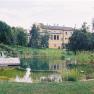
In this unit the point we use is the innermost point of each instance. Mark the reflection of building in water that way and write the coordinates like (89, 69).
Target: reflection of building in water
(58, 35)
(57, 65)
(60, 65)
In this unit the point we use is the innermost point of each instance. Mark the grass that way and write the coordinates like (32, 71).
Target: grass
(47, 88)
(51, 56)
(85, 57)
(81, 57)
(27, 51)
(11, 73)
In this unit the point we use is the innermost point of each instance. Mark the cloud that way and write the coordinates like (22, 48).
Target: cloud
(25, 12)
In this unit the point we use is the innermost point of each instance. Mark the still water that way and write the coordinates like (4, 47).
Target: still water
(40, 63)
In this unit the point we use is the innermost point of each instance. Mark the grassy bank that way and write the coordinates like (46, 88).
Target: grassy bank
(28, 52)
(11, 73)
(81, 57)
(47, 88)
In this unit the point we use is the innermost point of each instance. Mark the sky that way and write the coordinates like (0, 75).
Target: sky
(62, 12)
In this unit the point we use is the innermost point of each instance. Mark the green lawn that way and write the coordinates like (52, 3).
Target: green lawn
(47, 88)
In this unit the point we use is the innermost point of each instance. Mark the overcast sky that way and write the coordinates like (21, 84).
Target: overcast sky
(63, 12)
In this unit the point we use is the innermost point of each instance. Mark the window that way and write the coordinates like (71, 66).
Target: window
(57, 37)
(54, 37)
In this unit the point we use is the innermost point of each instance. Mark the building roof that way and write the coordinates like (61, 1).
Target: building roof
(50, 27)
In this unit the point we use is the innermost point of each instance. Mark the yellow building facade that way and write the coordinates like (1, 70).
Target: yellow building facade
(58, 35)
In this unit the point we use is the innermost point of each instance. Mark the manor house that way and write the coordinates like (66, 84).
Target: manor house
(58, 35)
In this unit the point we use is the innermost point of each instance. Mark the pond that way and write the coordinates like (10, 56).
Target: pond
(40, 63)
(55, 64)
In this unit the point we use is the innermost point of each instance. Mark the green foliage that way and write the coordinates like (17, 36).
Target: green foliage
(85, 57)
(71, 75)
(44, 40)
(51, 53)
(9, 50)
(35, 37)
(78, 41)
(19, 36)
(14, 35)
(5, 33)
(38, 40)
(63, 57)
(81, 40)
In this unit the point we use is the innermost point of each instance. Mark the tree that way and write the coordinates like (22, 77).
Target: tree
(44, 40)
(38, 40)
(91, 41)
(19, 36)
(78, 41)
(81, 39)
(84, 27)
(14, 35)
(35, 41)
(5, 33)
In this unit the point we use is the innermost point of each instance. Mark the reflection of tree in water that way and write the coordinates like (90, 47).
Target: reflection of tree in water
(36, 63)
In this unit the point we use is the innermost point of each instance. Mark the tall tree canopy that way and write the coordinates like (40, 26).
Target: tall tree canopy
(38, 40)
(44, 40)
(19, 36)
(78, 41)
(81, 40)
(35, 37)
(5, 33)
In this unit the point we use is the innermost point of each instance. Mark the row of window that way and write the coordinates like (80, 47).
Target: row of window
(54, 37)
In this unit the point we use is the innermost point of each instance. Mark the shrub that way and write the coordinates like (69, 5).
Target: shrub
(63, 57)
(71, 75)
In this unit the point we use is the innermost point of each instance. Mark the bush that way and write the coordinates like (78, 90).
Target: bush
(71, 75)
(63, 57)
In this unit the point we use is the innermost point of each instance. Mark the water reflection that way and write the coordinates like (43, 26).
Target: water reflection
(39, 63)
